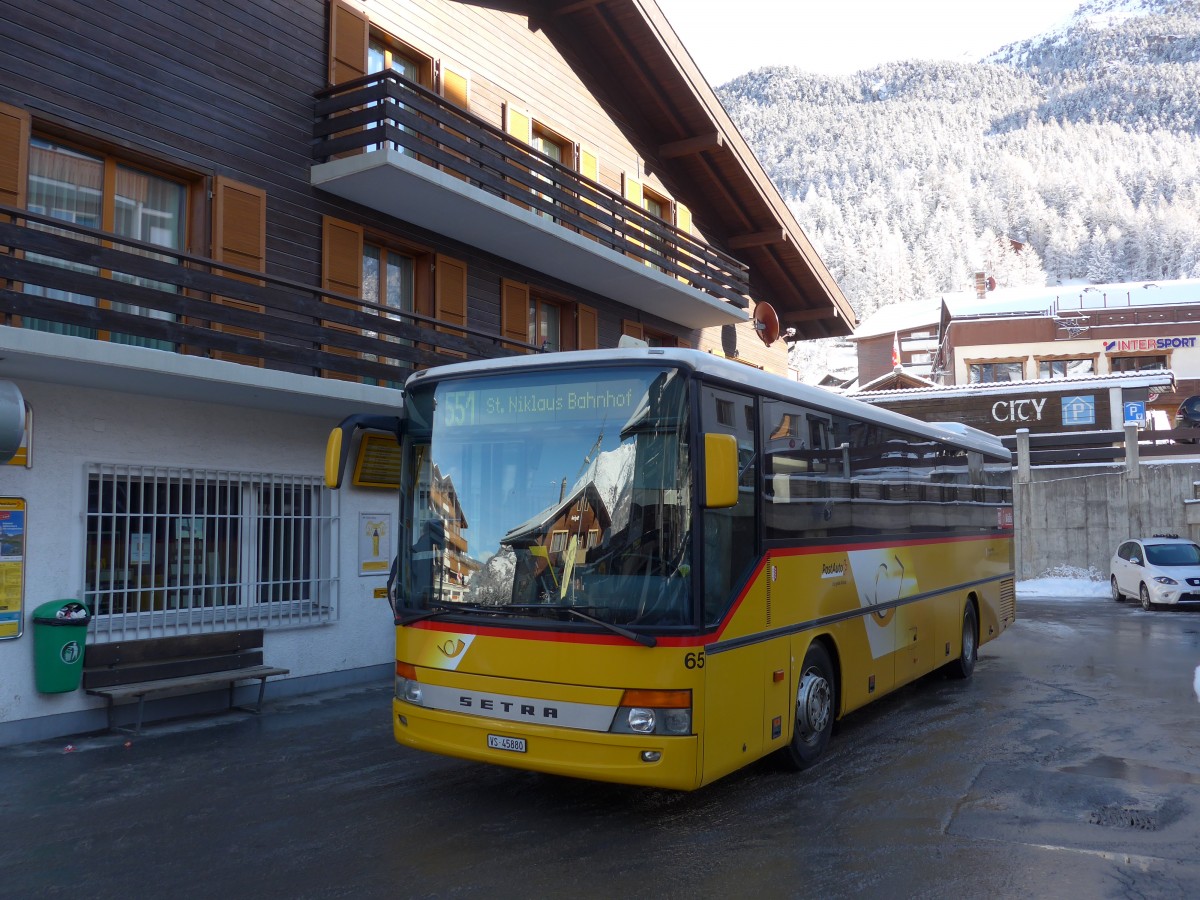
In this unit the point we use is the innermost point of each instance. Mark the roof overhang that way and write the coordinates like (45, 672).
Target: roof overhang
(632, 61)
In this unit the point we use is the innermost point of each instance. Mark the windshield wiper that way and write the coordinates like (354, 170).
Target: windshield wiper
(440, 611)
(645, 640)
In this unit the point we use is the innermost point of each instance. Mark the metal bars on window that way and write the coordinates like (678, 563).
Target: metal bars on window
(177, 551)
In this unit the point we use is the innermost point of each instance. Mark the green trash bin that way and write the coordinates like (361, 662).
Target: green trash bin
(59, 636)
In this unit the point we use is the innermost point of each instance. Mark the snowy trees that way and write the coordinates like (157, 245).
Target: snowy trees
(904, 176)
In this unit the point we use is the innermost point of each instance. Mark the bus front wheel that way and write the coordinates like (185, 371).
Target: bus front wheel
(969, 648)
(815, 705)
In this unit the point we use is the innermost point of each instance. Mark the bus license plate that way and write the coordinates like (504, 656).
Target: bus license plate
(513, 745)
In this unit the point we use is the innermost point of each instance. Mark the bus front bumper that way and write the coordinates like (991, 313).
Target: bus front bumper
(619, 758)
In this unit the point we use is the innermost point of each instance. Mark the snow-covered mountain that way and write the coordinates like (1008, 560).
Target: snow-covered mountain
(1081, 145)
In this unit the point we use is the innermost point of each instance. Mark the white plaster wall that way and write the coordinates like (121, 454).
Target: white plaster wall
(76, 426)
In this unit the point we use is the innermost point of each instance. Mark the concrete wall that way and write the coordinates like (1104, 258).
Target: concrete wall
(1077, 515)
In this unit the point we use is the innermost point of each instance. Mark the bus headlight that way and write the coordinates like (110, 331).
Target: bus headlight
(677, 721)
(641, 720)
(408, 688)
(654, 712)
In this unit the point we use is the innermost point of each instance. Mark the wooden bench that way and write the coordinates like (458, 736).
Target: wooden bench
(170, 666)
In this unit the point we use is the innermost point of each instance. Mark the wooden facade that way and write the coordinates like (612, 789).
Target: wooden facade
(239, 103)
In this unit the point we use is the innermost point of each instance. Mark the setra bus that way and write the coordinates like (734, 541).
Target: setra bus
(653, 566)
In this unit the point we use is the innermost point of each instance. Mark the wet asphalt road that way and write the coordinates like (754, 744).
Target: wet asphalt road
(1068, 767)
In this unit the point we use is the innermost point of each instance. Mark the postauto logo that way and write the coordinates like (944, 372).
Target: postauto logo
(1136, 344)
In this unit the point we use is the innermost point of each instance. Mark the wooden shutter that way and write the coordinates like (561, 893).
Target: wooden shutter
(514, 311)
(683, 218)
(239, 219)
(348, 35)
(450, 294)
(683, 221)
(589, 165)
(14, 155)
(633, 329)
(587, 328)
(631, 189)
(454, 88)
(341, 273)
(518, 125)
(14, 164)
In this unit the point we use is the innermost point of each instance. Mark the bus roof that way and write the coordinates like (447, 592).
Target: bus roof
(734, 373)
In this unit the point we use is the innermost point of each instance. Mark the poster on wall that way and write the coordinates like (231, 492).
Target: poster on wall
(374, 543)
(12, 566)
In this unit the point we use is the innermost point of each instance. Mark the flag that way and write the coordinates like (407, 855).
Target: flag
(896, 350)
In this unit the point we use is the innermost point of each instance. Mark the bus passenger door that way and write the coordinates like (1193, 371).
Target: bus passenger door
(734, 590)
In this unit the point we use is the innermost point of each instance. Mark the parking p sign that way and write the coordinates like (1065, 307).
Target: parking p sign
(1135, 412)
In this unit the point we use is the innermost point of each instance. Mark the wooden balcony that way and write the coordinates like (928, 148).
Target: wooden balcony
(391, 145)
(66, 279)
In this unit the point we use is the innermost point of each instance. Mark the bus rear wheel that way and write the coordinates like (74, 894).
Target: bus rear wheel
(816, 695)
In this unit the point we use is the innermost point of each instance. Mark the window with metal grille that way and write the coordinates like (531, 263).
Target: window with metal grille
(190, 550)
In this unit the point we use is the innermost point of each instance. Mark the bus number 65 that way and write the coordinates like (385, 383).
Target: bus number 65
(694, 660)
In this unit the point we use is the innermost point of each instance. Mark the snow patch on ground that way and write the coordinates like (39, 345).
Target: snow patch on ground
(1066, 583)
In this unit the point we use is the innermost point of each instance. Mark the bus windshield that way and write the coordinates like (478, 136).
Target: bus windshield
(552, 492)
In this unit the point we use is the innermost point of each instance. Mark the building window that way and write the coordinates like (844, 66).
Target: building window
(102, 192)
(1012, 370)
(545, 324)
(389, 279)
(198, 550)
(659, 207)
(659, 338)
(1065, 368)
(557, 148)
(1136, 363)
(386, 56)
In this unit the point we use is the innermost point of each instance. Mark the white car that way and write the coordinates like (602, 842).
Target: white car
(1160, 570)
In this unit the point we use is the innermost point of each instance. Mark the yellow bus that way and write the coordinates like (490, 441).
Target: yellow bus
(654, 566)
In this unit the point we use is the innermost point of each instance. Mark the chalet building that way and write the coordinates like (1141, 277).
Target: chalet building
(225, 226)
(904, 334)
(1125, 342)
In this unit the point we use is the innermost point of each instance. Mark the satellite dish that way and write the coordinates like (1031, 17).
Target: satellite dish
(766, 323)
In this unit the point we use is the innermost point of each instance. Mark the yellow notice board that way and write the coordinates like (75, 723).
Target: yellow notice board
(378, 463)
(12, 566)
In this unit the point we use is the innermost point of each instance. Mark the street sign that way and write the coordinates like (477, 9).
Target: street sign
(1135, 412)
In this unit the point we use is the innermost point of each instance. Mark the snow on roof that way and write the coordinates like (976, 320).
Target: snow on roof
(1160, 378)
(886, 376)
(1064, 299)
(899, 317)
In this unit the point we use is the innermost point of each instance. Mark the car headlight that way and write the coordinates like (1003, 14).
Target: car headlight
(1163, 579)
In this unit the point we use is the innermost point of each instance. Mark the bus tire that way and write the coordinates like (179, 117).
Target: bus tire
(816, 705)
(968, 653)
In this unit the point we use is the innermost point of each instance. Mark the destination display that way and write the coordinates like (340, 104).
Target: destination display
(512, 403)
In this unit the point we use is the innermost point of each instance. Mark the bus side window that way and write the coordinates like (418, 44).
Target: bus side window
(730, 538)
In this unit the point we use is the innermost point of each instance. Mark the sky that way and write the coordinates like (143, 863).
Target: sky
(850, 35)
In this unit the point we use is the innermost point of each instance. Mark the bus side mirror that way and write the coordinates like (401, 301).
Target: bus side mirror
(337, 447)
(720, 471)
(334, 459)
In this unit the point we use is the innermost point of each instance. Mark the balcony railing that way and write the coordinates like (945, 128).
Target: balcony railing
(68, 279)
(387, 111)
